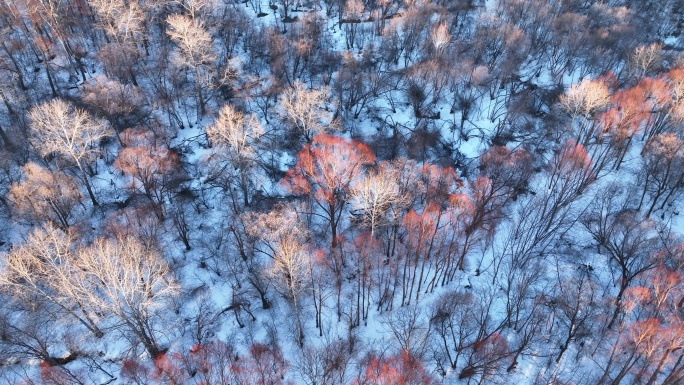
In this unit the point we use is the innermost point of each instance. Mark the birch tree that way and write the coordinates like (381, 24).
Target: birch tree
(301, 107)
(282, 237)
(237, 135)
(129, 281)
(115, 284)
(42, 268)
(120, 20)
(194, 51)
(375, 193)
(58, 128)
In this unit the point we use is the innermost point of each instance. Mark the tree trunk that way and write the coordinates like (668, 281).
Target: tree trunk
(49, 76)
(5, 139)
(88, 187)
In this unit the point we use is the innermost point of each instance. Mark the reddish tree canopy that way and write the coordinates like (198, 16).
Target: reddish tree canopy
(400, 369)
(325, 169)
(327, 165)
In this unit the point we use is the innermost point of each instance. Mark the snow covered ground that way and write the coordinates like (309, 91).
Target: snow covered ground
(536, 290)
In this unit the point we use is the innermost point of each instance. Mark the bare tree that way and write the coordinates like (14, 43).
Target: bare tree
(28, 332)
(194, 51)
(130, 282)
(286, 5)
(198, 8)
(374, 194)
(676, 82)
(328, 364)
(52, 16)
(46, 196)
(121, 62)
(111, 283)
(325, 170)
(504, 175)
(155, 170)
(291, 270)
(440, 38)
(43, 268)
(237, 135)
(353, 11)
(585, 97)
(453, 327)
(283, 237)
(625, 237)
(123, 105)
(120, 20)
(645, 59)
(408, 327)
(59, 128)
(647, 347)
(301, 107)
(400, 368)
(575, 306)
(662, 171)
(583, 101)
